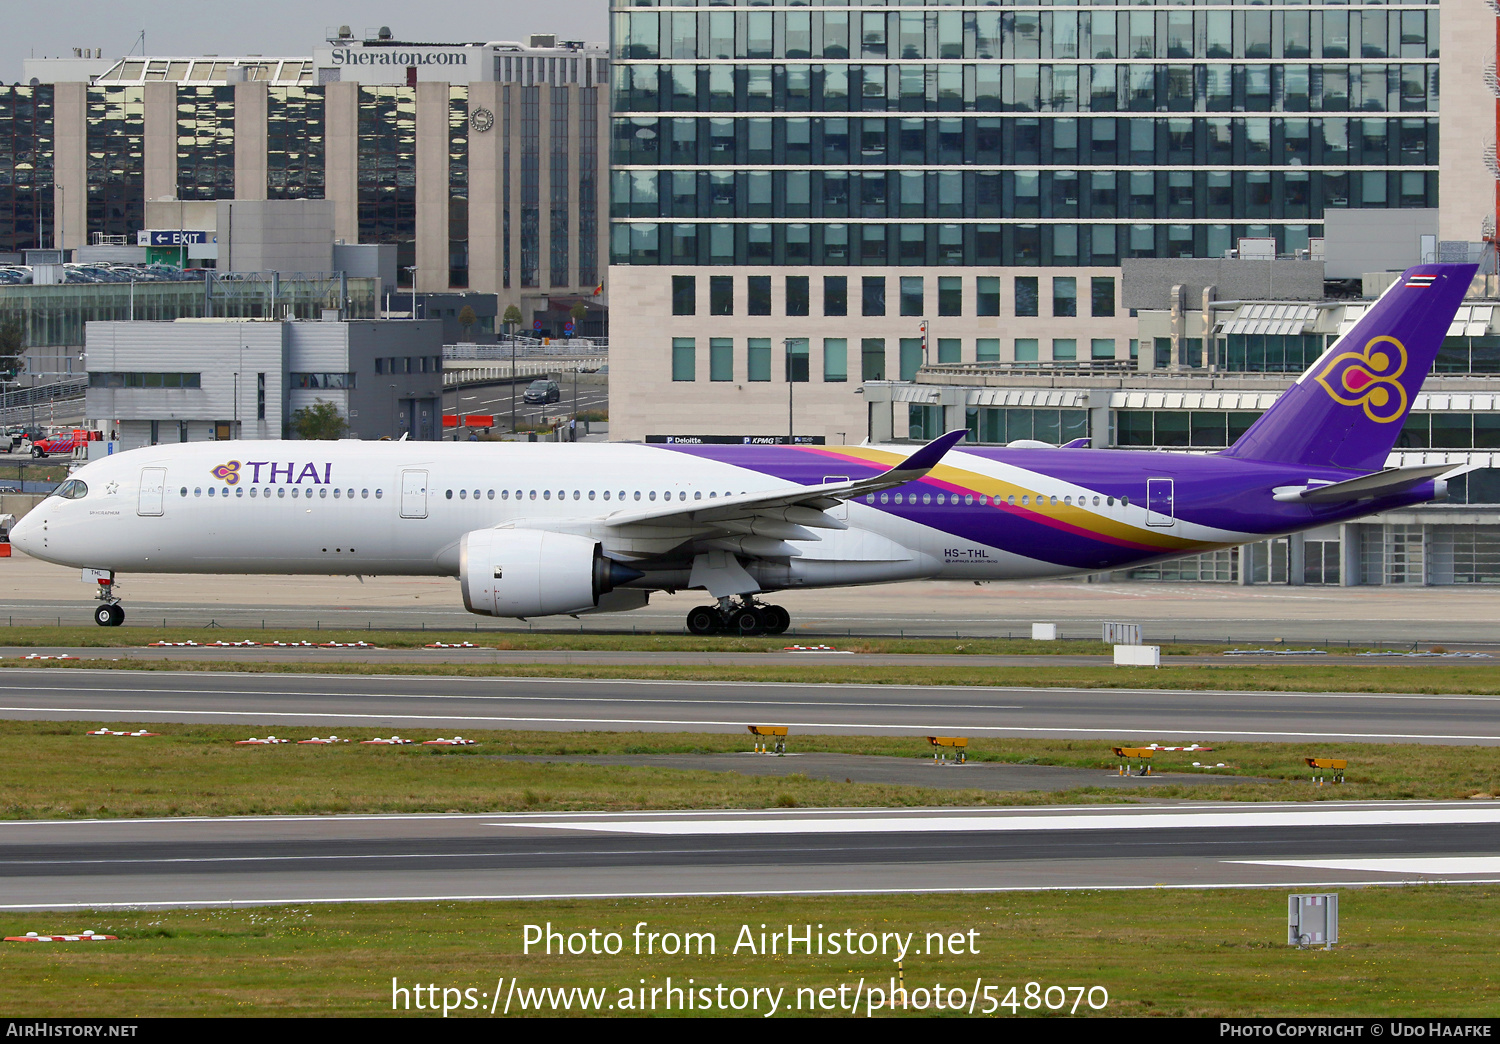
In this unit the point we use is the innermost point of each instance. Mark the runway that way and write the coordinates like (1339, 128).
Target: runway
(186, 862)
(405, 702)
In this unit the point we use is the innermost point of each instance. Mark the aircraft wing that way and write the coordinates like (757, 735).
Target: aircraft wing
(767, 519)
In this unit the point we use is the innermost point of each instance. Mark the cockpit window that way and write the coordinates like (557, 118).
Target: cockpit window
(73, 489)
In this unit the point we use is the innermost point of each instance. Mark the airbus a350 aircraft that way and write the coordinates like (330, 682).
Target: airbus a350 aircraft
(537, 529)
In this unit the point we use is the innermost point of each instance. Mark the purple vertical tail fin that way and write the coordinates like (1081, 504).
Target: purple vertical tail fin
(1348, 408)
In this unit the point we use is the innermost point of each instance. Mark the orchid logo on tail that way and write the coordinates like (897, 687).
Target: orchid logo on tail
(1369, 378)
(230, 472)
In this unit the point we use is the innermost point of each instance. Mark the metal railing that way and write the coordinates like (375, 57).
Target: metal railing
(528, 346)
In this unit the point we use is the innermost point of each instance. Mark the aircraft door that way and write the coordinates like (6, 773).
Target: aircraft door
(153, 491)
(1159, 502)
(414, 494)
(841, 512)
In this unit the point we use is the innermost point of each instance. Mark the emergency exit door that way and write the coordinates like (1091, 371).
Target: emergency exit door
(153, 491)
(1159, 502)
(414, 494)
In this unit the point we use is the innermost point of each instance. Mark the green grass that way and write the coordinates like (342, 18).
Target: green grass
(29, 636)
(1417, 951)
(1407, 677)
(53, 770)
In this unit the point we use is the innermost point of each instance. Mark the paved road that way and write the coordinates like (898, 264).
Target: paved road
(287, 859)
(33, 592)
(352, 702)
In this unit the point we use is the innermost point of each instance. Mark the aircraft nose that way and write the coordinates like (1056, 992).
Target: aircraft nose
(25, 534)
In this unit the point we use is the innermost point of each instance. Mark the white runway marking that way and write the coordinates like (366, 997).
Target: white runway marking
(1392, 864)
(1009, 822)
(1195, 731)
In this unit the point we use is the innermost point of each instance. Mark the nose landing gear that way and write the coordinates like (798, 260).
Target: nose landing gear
(109, 612)
(746, 618)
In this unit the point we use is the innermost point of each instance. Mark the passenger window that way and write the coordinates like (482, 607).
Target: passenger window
(1110, 501)
(927, 498)
(591, 494)
(336, 493)
(364, 494)
(606, 494)
(1054, 502)
(379, 493)
(281, 492)
(653, 495)
(1124, 501)
(239, 491)
(546, 494)
(492, 494)
(576, 495)
(697, 494)
(198, 491)
(323, 493)
(1067, 500)
(211, 491)
(885, 498)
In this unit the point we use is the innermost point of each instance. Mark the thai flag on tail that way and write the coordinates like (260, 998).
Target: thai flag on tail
(1420, 282)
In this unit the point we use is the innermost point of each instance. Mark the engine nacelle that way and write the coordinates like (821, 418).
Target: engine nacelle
(531, 572)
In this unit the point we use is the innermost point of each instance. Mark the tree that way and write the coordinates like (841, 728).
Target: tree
(466, 319)
(579, 312)
(511, 318)
(12, 348)
(321, 420)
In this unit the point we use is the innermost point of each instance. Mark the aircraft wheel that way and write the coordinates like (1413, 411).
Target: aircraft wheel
(776, 619)
(703, 620)
(109, 615)
(746, 622)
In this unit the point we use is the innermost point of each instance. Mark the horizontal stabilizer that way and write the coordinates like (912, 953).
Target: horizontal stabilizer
(1381, 484)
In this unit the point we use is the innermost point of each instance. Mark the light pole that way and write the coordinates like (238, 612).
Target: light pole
(413, 270)
(393, 412)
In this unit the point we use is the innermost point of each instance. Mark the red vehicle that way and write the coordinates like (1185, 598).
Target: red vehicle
(64, 442)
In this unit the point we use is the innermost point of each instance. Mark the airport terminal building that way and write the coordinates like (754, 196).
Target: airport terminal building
(482, 163)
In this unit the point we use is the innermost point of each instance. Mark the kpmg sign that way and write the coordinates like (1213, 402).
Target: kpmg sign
(172, 238)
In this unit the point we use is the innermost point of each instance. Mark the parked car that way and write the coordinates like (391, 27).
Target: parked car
(543, 391)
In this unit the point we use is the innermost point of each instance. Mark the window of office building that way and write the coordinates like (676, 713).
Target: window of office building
(1027, 296)
(294, 143)
(1102, 348)
(684, 362)
(531, 169)
(721, 295)
(911, 357)
(872, 359)
(758, 295)
(797, 360)
(588, 186)
(911, 295)
(987, 349)
(987, 297)
(387, 172)
(1027, 350)
(116, 160)
(458, 187)
(205, 142)
(949, 350)
(721, 358)
(758, 358)
(26, 157)
(835, 295)
(873, 294)
(1064, 296)
(1064, 349)
(797, 295)
(1102, 296)
(950, 295)
(559, 185)
(835, 360)
(684, 295)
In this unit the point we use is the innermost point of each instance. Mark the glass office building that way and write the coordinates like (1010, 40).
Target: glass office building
(835, 175)
(423, 146)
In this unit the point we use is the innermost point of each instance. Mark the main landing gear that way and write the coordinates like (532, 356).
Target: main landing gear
(743, 618)
(109, 612)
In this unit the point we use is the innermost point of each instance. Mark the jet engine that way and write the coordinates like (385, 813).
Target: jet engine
(531, 572)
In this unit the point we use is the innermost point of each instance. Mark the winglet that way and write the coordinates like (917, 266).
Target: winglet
(926, 458)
